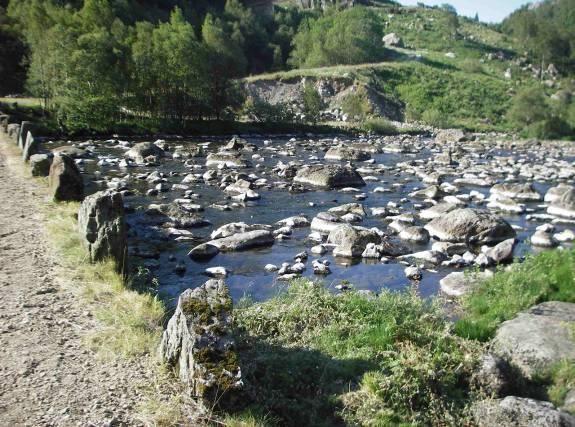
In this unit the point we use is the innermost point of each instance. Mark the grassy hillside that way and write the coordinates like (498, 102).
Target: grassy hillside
(451, 71)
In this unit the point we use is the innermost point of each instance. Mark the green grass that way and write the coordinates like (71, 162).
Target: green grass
(131, 322)
(548, 276)
(311, 358)
(23, 102)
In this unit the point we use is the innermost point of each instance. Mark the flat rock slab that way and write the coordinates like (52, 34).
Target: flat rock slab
(242, 241)
(538, 337)
(520, 412)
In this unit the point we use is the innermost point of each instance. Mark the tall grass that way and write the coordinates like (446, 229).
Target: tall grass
(131, 322)
(548, 276)
(312, 358)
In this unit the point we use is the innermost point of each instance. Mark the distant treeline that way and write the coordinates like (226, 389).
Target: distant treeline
(547, 30)
(97, 62)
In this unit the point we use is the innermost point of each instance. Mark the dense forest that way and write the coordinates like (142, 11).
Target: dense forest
(97, 64)
(547, 31)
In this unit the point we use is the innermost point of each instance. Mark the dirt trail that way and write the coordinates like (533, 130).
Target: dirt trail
(47, 376)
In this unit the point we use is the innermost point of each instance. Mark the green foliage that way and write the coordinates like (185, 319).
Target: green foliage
(548, 276)
(356, 103)
(258, 110)
(561, 379)
(547, 32)
(12, 52)
(312, 103)
(535, 116)
(312, 358)
(352, 36)
(379, 126)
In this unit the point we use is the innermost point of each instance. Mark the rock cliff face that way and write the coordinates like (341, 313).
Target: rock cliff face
(332, 91)
(199, 344)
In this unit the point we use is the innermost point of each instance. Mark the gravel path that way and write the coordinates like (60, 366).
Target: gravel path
(47, 376)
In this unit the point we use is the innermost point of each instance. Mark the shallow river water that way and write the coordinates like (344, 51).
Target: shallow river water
(247, 275)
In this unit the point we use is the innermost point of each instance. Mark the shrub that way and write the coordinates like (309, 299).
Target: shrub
(380, 126)
(472, 66)
(356, 104)
(352, 36)
(528, 107)
(258, 110)
(312, 102)
(435, 118)
(547, 276)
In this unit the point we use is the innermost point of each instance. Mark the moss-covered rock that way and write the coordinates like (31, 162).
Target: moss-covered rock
(199, 344)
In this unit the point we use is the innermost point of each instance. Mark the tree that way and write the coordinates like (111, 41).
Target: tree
(12, 51)
(528, 107)
(312, 102)
(351, 36)
(225, 61)
(476, 18)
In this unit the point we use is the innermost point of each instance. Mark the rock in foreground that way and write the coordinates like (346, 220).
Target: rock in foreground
(472, 226)
(537, 338)
(65, 180)
(329, 176)
(520, 412)
(199, 343)
(102, 228)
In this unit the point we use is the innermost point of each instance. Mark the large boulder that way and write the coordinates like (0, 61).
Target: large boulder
(139, 152)
(392, 40)
(329, 176)
(342, 152)
(522, 192)
(325, 222)
(71, 151)
(243, 241)
(65, 180)
(102, 228)
(237, 227)
(471, 226)
(554, 194)
(40, 164)
(352, 241)
(459, 283)
(519, 412)
(228, 159)
(173, 213)
(564, 206)
(13, 130)
(537, 338)
(198, 342)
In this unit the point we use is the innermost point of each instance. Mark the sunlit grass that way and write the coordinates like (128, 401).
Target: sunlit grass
(548, 276)
(131, 321)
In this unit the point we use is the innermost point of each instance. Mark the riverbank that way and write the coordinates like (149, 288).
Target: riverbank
(77, 346)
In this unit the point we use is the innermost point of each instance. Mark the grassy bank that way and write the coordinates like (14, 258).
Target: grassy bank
(311, 358)
(131, 320)
(548, 276)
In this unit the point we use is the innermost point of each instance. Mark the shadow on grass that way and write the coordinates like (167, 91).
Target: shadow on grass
(296, 386)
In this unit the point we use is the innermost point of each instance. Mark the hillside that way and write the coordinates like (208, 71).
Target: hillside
(444, 70)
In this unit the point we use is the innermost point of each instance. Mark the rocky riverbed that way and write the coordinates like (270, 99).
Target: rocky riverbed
(375, 212)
